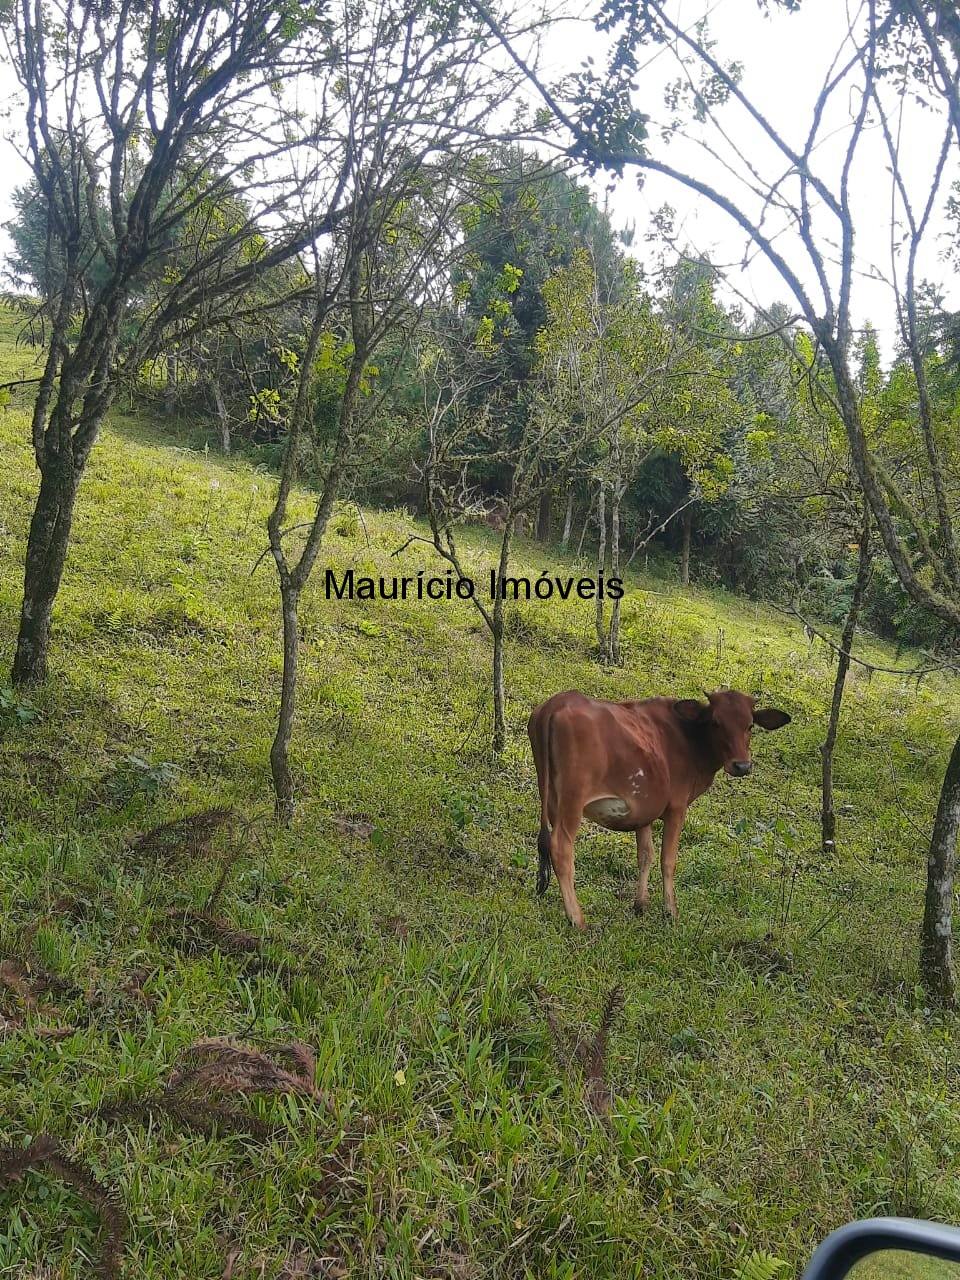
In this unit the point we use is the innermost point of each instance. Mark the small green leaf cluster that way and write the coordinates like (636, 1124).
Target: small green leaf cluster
(466, 807)
(16, 711)
(137, 776)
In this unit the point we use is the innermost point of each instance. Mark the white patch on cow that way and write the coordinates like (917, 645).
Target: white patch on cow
(634, 783)
(608, 809)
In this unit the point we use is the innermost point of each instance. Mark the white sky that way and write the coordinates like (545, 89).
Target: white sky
(785, 58)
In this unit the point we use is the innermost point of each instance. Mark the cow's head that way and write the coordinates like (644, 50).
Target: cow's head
(725, 720)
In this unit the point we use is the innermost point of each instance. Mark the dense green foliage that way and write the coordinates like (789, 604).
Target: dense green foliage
(649, 384)
(774, 1071)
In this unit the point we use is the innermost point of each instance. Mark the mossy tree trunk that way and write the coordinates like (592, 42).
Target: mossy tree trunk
(76, 392)
(936, 934)
(545, 514)
(613, 647)
(567, 522)
(283, 788)
(47, 546)
(828, 819)
(687, 526)
(293, 577)
(602, 649)
(497, 630)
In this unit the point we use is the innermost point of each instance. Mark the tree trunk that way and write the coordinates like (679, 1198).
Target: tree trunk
(499, 692)
(223, 418)
(936, 945)
(544, 515)
(687, 526)
(614, 640)
(567, 523)
(280, 750)
(170, 385)
(583, 531)
(46, 555)
(828, 820)
(601, 562)
(81, 387)
(293, 580)
(497, 631)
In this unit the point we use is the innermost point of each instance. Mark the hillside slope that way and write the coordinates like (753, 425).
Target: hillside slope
(772, 1072)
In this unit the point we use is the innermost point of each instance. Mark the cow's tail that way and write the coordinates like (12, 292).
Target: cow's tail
(543, 848)
(542, 745)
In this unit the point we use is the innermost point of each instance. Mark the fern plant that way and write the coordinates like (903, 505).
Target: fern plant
(762, 1266)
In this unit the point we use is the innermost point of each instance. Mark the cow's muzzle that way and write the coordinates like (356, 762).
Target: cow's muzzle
(740, 768)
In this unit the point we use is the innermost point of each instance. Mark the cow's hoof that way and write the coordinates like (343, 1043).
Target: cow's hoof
(640, 908)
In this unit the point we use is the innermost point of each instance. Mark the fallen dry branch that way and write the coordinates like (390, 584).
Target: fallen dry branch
(566, 1043)
(220, 1066)
(590, 1053)
(210, 1119)
(12, 1024)
(46, 1154)
(599, 1095)
(211, 1072)
(29, 980)
(197, 927)
(182, 838)
(230, 859)
(24, 982)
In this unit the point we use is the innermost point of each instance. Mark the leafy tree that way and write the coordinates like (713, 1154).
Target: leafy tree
(419, 91)
(463, 440)
(154, 106)
(640, 386)
(527, 222)
(38, 261)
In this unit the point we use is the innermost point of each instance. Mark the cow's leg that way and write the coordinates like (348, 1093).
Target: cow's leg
(645, 856)
(561, 855)
(672, 826)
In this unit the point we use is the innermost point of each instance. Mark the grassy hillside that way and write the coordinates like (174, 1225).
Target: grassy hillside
(773, 1071)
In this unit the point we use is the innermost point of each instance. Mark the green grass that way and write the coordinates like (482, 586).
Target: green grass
(775, 1071)
(897, 1264)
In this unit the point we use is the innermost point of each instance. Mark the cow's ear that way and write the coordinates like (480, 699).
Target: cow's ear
(691, 710)
(770, 718)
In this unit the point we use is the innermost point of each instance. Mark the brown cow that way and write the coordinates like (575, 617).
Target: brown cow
(626, 764)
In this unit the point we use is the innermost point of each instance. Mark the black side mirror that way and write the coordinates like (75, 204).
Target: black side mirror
(888, 1249)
